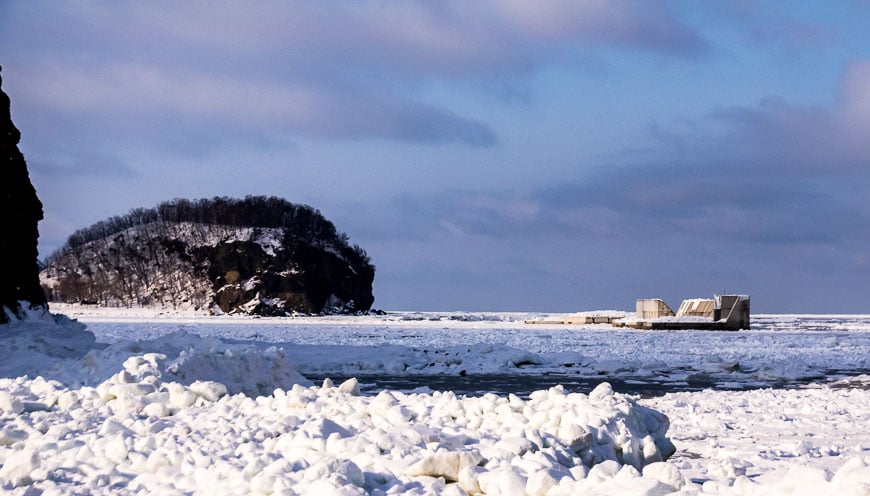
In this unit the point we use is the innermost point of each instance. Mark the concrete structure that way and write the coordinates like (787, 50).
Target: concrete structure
(723, 313)
(720, 313)
(733, 309)
(697, 307)
(591, 319)
(652, 308)
(583, 318)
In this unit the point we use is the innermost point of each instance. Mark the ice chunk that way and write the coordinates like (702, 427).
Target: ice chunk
(209, 390)
(350, 386)
(445, 464)
(665, 473)
(18, 466)
(542, 481)
(503, 481)
(10, 404)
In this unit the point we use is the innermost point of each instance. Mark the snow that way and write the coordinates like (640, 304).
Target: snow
(763, 434)
(200, 235)
(132, 400)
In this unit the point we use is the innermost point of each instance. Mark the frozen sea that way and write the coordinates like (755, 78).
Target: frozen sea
(499, 352)
(134, 401)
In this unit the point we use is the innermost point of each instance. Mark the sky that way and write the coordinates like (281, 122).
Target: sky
(496, 155)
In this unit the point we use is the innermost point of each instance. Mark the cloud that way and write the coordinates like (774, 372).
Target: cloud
(791, 139)
(442, 38)
(775, 181)
(855, 109)
(624, 204)
(72, 162)
(150, 95)
(332, 70)
(787, 181)
(766, 23)
(768, 199)
(708, 205)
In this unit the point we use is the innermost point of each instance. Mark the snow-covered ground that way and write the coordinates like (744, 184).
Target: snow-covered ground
(179, 403)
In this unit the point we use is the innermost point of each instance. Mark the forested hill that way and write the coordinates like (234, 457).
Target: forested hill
(261, 255)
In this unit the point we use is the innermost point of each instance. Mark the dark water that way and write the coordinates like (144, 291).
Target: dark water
(523, 385)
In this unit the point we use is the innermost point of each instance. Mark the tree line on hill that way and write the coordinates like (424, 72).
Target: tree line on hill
(303, 223)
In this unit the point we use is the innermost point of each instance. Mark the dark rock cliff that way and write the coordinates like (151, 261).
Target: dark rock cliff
(20, 211)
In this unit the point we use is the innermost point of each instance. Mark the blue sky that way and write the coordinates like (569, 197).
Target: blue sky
(490, 155)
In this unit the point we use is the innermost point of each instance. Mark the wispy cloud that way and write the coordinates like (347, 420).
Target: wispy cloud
(323, 69)
(781, 182)
(775, 172)
(151, 95)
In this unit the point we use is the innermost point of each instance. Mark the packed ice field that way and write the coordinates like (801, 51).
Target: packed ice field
(174, 402)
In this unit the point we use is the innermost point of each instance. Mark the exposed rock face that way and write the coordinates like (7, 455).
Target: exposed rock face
(276, 259)
(303, 280)
(20, 211)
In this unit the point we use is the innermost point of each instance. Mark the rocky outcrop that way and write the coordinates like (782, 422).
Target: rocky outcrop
(20, 211)
(287, 259)
(304, 280)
